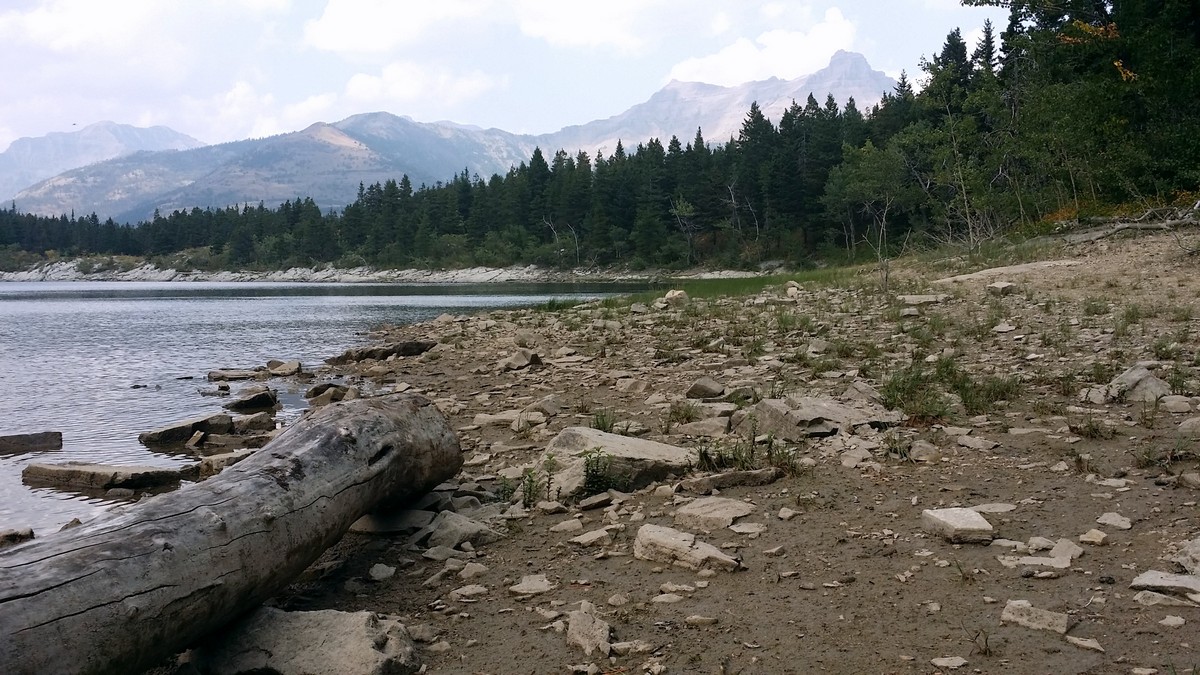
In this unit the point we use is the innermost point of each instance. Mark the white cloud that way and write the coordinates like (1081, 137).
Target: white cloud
(406, 81)
(563, 23)
(780, 53)
(720, 24)
(74, 25)
(376, 26)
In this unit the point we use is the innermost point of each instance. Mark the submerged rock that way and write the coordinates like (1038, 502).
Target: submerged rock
(36, 442)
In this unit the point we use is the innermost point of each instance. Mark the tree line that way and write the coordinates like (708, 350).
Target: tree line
(1077, 107)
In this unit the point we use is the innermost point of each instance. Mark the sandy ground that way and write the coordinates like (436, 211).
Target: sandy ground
(851, 583)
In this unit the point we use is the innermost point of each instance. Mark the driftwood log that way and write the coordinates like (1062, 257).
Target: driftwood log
(122, 592)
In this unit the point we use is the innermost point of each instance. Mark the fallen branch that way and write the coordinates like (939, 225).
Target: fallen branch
(122, 592)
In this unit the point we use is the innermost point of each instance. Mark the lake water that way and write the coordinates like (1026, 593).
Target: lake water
(104, 361)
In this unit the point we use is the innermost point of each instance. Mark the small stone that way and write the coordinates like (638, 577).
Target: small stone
(1040, 544)
(994, 508)
(711, 513)
(1172, 621)
(787, 514)
(469, 591)
(532, 584)
(667, 598)
(1115, 520)
(957, 525)
(1065, 548)
(697, 620)
(597, 501)
(1001, 288)
(617, 600)
(550, 508)
(1021, 612)
(571, 525)
(665, 492)
(950, 662)
(975, 443)
(471, 570)
(381, 572)
(588, 632)
(748, 528)
(1093, 537)
(1085, 643)
(601, 537)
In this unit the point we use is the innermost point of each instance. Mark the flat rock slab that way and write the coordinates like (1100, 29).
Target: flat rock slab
(957, 525)
(711, 513)
(1115, 520)
(636, 460)
(919, 300)
(723, 481)
(710, 428)
(104, 476)
(233, 374)
(1162, 582)
(1022, 613)
(532, 584)
(795, 419)
(36, 442)
(214, 464)
(381, 352)
(667, 545)
(325, 642)
(180, 432)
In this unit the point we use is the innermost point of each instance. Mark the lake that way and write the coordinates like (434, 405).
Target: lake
(104, 361)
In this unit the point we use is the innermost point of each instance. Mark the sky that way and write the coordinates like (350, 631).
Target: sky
(222, 70)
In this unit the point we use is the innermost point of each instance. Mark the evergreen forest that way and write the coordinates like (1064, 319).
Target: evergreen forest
(1074, 109)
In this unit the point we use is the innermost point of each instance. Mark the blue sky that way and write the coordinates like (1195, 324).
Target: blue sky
(222, 70)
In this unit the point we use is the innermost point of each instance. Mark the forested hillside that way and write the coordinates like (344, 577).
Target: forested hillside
(1074, 109)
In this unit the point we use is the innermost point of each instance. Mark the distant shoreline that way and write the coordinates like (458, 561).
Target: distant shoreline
(68, 270)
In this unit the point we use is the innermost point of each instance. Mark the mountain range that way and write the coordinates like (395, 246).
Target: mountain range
(158, 169)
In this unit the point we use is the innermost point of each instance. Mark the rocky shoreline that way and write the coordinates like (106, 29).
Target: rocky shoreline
(74, 270)
(996, 474)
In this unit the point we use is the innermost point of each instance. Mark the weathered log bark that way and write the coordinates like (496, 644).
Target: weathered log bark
(122, 592)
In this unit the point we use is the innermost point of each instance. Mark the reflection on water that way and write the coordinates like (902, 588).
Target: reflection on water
(102, 362)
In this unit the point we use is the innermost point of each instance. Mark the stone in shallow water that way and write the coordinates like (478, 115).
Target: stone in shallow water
(103, 476)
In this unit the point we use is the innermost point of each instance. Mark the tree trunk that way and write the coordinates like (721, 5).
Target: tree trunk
(122, 592)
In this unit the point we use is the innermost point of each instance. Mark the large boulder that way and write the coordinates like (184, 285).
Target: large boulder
(636, 462)
(325, 642)
(180, 432)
